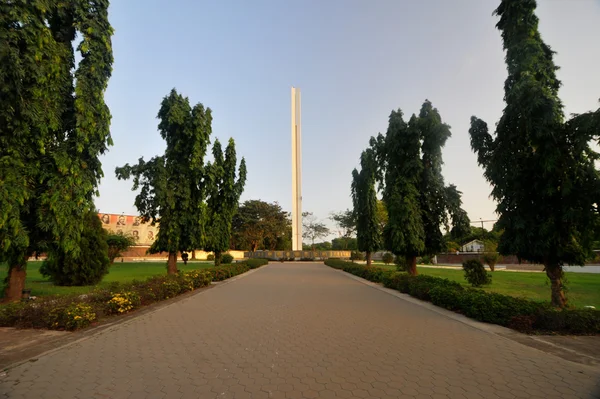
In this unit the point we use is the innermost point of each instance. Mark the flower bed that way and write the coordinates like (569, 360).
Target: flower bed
(74, 311)
(520, 314)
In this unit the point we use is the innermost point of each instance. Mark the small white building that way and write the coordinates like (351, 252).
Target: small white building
(473, 246)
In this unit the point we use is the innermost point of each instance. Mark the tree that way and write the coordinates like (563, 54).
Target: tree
(174, 185)
(459, 218)
(118, 243)
(88, 266)
(223, 198)
(345, 222)
(54, 125)
(382, 215)
(312, 229)
(409, 161)
(258, 224)
(432, 192)
(399, 156)
(364, 199)
(344, 244)
(490, 254)
(541, 168)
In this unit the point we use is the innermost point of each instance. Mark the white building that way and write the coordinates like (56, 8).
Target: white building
(473, 246)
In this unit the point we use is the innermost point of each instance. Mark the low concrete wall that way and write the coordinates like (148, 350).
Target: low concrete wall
(139, 253)
(277, 255)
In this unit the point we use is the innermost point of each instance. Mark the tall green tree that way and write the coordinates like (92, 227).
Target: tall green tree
(173, 186)
(409, 171)
(461, 224)
(432, 192)
(399, 155)
(541, 167)
(261, 225)
(54, 125)
(345, 222)
(364, 199)
(223, 198)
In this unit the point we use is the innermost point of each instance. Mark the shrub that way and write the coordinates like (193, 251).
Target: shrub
(307, 259)
(516, 313)
(387, 258)
(570, 321)
(210, 257)
(425, 260)
(491, 258)
(88, 266)
(124, 302)
(256, 262)
(446, 297)
(475, 273)
(117, 243)
(226, 259)
(400, 262)
(356, 255)
(71, 317)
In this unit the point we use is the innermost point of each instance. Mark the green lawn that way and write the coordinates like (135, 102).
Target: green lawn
(119, 272)
(582, 288)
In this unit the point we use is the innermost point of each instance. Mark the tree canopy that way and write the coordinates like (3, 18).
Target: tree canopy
(409, 161)
(261, 225)
(313, 229)
(173, 186)
(54, 125)
(364, 199)
(541, 167)
(223, 197)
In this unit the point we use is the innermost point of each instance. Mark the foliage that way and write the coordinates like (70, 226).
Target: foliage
(223, 196)
(364, 200)
(88, 266)
(549, 219)
(452, 246)
(409, 159)
(72, 317)
(118, 243)
(490, 255)
(210, 257)
(345, 222)
(258, 224)
(173, 186)
(425, 260)
(459, 218)
(226, 259)
(344, 244)
(494, 308)
(387, 258)
(54, 125)
(124, 302)
(356, 255)
(475, 273)
(75, 311)
(312, 229)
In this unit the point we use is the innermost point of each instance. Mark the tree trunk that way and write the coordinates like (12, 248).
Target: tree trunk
(172, 263)
(368, 258)
(555, 274)
(218, 256)
(16, 282)
(411, 265)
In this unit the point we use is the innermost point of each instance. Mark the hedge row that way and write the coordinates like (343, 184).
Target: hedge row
(72, 312)
(520, 314)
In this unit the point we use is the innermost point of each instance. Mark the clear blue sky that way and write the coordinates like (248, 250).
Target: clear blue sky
(354, 61)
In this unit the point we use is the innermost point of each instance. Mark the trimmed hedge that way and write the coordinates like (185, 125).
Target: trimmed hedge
(520, 314)
(72, 312)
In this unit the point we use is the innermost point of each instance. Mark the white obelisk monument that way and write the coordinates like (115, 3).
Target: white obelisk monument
(296, 171)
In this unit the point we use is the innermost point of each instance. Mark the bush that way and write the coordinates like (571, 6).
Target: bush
(226, 259)
(387, 258)
(356, 255)
(76, 311)
(400, 262)
(210, 257)
(475, 273)
(491, 258)
(117, 243)
(88, 266)
(307, 259)
(425, 260)
(256, 262)
(517, 313)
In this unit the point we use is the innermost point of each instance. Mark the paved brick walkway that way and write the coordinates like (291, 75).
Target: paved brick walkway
(297, 331)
